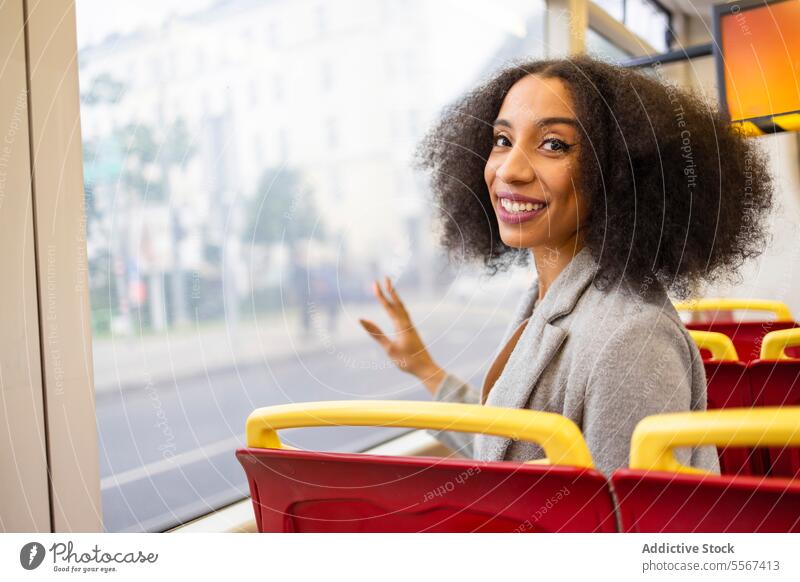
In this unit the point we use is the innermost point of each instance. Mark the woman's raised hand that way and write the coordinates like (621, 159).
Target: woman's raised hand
(406, 349)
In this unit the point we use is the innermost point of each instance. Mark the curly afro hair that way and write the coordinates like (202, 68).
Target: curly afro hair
(673, 190)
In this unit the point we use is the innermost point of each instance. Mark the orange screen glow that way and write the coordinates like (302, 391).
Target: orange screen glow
(761, 56)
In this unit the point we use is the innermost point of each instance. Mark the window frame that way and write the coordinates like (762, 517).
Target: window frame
(24, 484)
(61, 265)
(670, 35)
(617, 33)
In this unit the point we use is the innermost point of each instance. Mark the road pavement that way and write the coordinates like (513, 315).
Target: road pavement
(167, 439)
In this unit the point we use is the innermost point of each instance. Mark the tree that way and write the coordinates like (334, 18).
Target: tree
(149, 155)
(282, 209)
(103, 89)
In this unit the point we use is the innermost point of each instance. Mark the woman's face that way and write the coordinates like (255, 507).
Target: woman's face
(532, 170)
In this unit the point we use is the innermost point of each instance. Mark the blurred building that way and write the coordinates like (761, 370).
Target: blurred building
(341, 95)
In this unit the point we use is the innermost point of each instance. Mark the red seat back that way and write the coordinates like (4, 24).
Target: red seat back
(655, 501)
(747, 335)
(729, 387)
(777, 383)
(304, 491)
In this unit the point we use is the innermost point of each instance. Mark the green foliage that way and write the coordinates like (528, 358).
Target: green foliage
(149, 154)
(104, 89)
(282, 209)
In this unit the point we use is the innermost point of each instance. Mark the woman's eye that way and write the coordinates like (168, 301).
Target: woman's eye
(501, 141)
(557, 145)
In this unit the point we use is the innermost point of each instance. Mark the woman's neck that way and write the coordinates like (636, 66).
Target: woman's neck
(550, 261)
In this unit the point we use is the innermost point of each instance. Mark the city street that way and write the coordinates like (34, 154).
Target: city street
(167, 447)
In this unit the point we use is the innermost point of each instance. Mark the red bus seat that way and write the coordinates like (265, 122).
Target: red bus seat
(775, 380)
(746, 335)
(657, 494)
(729, 387)
(308, 491)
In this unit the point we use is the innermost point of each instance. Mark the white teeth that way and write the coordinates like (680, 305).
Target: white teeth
(517, 207)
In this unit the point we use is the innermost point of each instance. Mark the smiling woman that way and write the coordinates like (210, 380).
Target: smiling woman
(620, 187)
(531, 173)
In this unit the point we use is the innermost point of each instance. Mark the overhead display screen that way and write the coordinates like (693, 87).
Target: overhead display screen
(758, 62)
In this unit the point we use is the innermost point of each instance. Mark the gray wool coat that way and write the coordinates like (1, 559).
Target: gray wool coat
(604, 359)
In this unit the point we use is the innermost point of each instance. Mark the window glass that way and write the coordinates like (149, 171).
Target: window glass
(247, 169)
(648, 21)
(615, 8)
(602, 48)
(643, 17)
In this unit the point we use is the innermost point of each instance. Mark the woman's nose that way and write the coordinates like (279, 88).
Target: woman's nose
(516, 167)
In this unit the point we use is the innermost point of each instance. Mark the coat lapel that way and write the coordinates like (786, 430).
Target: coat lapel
(539, 343)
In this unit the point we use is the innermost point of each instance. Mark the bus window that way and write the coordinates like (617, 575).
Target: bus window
(599, 46)
(247, 175)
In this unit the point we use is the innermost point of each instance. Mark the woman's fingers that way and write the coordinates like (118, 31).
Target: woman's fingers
(397, 302)
(396, 312)
(375, 332)
(376, 287)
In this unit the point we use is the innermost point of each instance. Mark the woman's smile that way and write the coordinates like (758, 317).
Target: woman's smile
(514, 208)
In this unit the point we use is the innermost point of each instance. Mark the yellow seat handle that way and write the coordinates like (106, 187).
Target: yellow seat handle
(719, 344)
(780, 309)
(774, 344)
(656, 437)
(560, 438)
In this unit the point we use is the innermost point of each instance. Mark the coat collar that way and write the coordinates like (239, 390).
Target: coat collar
(560, 299)
(568, 287)
(538, 344)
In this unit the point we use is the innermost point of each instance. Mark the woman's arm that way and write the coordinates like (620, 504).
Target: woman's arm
(406, 348)
(432, 378)
(454, 389)
(409, 353)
